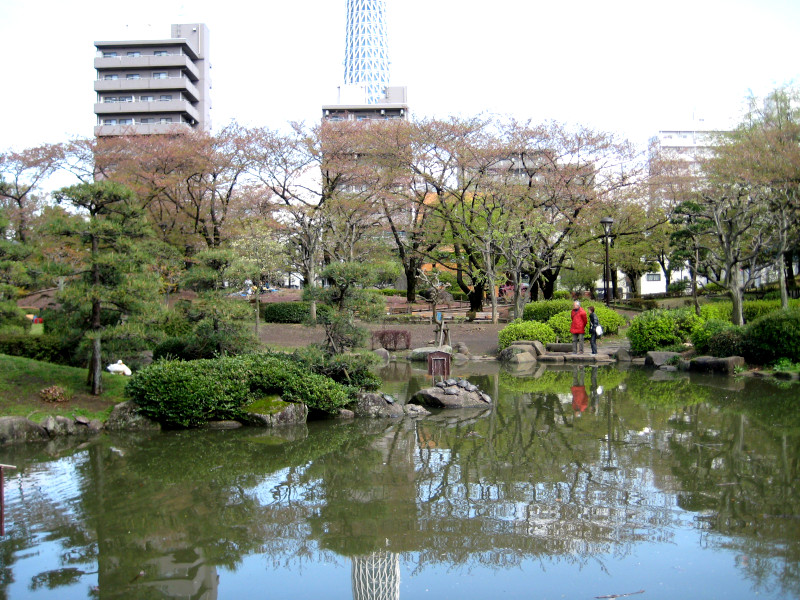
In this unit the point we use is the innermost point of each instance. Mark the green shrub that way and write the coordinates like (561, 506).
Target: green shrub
(773, 336)
(751, 309)
(391, 292)
(727, 342)
(189, 394)
(610, 319)
(716, 310)
(701, 336)
(653, 330)
(352, 370)
(561, 324)
(46, 348)
(686, 322)
(542, 310)
(292, 312)
(525, 330)
(642, 303)
(561, 295)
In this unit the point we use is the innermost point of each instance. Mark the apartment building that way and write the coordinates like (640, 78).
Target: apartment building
(154, 86)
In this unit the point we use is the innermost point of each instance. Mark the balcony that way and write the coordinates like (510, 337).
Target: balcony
(170, 61)
(136, 108)
(142, 129)
(147, 84)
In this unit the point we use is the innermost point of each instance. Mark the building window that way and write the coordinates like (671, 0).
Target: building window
(126, 98)
(126, 121)
(165, 120)
(109, 54)
(132, 76)
(147, 120)
(160, 53)
(109, 121)
(653, 277)
(109, 99)
(160, 75)
(134, 54)
(110, 77)
(145, 98)
(165, 98)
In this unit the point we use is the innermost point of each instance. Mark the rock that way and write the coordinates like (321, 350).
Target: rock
(223, 425)
(513, 353)
(461, 348)
(421, 354)
(125, 417)
(415, 410)
(622, 355)
(450, 397)
(656, 359)
(535, 347)
(376, 406)
(59, 426)
(80, 420)
(382, 353)
(95, 426)
(294, 413)
(345, 414)
(20, 429)
(710, 364)
(559, 348)
(551, 358)
(668, 368)
(460, 358)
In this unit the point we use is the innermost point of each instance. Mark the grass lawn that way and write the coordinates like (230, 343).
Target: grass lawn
(21, 379)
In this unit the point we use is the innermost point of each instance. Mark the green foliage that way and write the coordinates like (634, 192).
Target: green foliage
(727, 342)
(293, 312)
(642, 303)
(12, 318)
(189, 394)
(561, 324)
(784, 365)
(561, 295)
(774, 336)
(653, 330)
(352, 370)
(720, 311)
(751, 309)
(525, 330)
(46, 348)
(701, 336)
(392, 292)
(542, 310)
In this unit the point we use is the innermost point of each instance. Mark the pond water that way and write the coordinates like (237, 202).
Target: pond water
(578, 483)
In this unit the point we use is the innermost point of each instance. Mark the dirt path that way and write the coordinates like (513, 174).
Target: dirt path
(480, 338)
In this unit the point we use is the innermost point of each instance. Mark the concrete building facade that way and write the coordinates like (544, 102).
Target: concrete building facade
(154, 86)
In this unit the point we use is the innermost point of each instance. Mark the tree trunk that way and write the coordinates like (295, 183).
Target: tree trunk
(96, 367)
(410, 270)
(737, 296)
(475, 297)
(548, 279)
(782, 282)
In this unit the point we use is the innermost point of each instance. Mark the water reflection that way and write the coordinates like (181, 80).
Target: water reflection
(583, 467)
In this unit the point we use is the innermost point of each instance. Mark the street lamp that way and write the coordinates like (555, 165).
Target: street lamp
(607, 222)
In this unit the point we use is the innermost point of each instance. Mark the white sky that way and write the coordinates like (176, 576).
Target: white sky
(631, 67)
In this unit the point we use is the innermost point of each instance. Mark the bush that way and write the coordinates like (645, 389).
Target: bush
(774, 336)
(642, 303)
(701, 336)
(292, 312)
(677, 288)
(542, 310)
(352, 370)
(751, 309)
(561, 324)
(525, 330)
(189, 394)
(716, 310)
(561, 295)
(728, 342)
(46, 348)
(653, 330)
(391, 292)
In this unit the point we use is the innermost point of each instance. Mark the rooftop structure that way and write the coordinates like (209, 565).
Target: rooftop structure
(154, 86)
(366, 94)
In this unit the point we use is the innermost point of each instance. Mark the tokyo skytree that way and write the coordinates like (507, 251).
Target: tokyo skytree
(366, 59)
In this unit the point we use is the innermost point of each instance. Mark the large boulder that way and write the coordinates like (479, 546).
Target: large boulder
(421, 354)
(518, 353)
(656, 359)
(59, 425)
(377, 406)
(20, 429)
(537, 346)
(125, 417)
(294, 413)
(452, 394)
(711, 364)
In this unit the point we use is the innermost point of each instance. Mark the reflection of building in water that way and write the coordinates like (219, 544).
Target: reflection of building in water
(184, 574)
(376, 576)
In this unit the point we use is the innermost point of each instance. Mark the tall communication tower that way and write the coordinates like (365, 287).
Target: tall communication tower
(366, 60)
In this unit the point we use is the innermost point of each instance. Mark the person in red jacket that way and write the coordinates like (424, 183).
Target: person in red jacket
(578, 329)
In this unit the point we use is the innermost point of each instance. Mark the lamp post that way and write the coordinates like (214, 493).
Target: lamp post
(607, 222)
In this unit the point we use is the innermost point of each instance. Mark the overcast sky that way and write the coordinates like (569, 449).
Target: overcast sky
(631, 67)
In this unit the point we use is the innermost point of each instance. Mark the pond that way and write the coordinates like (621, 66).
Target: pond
(578, 483)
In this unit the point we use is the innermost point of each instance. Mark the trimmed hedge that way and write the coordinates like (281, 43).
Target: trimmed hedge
(542, 310)
(751, 309)
(46, 348)
(525, 330)
(292, 312)
(701, 336)
(189, 394)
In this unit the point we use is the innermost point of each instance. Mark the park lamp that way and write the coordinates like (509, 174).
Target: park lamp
(607, 222)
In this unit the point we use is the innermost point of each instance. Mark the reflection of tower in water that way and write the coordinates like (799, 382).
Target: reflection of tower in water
(376, 576)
